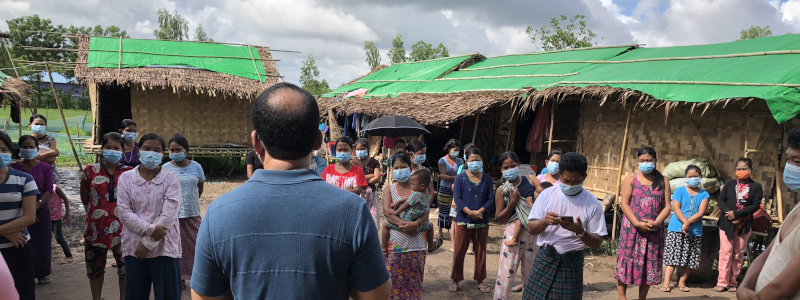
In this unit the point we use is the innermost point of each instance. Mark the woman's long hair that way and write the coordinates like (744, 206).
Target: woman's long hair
(658, 179)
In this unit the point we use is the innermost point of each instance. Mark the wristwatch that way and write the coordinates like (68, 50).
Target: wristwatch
(580, 235)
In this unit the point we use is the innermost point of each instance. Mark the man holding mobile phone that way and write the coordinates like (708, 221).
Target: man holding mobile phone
(567, 220)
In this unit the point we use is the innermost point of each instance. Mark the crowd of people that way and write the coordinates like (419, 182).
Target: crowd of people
(349, 239)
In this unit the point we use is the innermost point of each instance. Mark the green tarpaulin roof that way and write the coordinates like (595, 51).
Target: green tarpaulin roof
(763, 68)
(227, 59)
(3, 76)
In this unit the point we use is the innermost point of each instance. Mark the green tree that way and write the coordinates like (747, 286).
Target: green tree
(171, 26)
(563, 33)
(398, 53)
(308, 77)
(373, 55)
(200, 34)
(424, 51)
(755, 32)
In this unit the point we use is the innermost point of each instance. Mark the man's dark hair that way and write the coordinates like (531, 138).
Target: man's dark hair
(288, 130)
(573, 162)
(793, 140)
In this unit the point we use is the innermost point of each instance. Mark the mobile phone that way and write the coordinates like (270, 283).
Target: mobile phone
(567, 219)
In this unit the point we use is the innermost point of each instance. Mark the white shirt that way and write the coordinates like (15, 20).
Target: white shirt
(584, 205)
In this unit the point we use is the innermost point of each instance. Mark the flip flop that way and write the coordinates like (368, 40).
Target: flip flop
(469, 251)
(485, 289)
(666, 289)
(45, 280)
(720, 289)
(517, 289)
(66, 261)
(732, 289)
(452, 287)
(684, 289)
(436, 244)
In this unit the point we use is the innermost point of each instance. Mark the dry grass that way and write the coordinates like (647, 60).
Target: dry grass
(16, 90)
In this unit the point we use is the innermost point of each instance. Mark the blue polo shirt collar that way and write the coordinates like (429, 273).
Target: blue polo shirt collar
(279, 177)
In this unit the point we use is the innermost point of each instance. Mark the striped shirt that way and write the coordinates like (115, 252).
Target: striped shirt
(18, 184)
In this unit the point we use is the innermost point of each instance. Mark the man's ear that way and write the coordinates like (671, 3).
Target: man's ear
(256, 143)
(318, 141)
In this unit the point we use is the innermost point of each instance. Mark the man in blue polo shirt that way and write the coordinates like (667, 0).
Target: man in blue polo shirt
(286, 233)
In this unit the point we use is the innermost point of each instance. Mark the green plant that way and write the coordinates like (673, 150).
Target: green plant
(607, 247)
(74, 132)
(68, 160)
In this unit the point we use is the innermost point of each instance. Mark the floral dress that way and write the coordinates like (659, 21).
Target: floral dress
(641, 254)
(98, 188)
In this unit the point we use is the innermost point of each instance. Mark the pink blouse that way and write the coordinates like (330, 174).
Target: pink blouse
(144, 204)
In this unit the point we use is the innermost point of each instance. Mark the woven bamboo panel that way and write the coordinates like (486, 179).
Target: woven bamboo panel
(203, 119)
(790, 199)
(676, 139)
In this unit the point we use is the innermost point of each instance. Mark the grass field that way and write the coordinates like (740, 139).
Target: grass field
(51, 114)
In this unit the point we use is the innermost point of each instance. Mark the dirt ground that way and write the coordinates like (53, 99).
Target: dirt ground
(69, 281)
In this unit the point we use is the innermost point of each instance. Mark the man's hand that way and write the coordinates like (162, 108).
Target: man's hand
(141, 251)
(729, 215)
(17, 238)
(552, 219)
(159, 232)
(576, 227)
(744, 293)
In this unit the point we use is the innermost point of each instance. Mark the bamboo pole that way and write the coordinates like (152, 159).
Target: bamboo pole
(475, 130)
(255, 66)
(63, 118)
(16, 73)
(571, 49)
(707, 146)
(511, 125)
(603, 168)
(619, 173)
(673, 82)
(778, 187)
(747, 133)
(461, 133)
(119, 66)
(140, 52)
(509, 76)
(552, 121)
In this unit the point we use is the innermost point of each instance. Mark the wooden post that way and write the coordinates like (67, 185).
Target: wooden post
(461, 133)
(66, 127)
(511, 125)
(747, 132)
(16, 73)
(552, 119)
(778, 187)
(475, 130)
(708, 147)
(619, 173)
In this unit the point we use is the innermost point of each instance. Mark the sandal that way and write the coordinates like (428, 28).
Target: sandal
(485, 288)
(732, 289)
(452, 287)
(666, 289)
(720, 289)
(517, 289)
(65, 261)
(44, 280)
(469, 251)
(684, 289)
(436, 244)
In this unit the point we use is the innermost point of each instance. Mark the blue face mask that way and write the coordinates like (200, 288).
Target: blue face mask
(362, 153)
(28, 153)
(401, 175)
(130, 136)
(571, 190)
(343, 156)
(552, 168)
(419, 159)
(177, 157)
(454, 154)
(647, 167)
(693, 181)
(5, 160)
(112, 156)
(791, 177)
(511, 174)
(150, 159)
(38, 129)
(475, 166)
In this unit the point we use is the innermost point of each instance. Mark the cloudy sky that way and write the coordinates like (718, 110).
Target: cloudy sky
(334, 30)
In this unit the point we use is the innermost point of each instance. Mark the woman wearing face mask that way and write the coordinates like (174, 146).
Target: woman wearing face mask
(98, 185)
(738, 200)
(19, 196)
(472, 193)
(192, 177)
(551, 170)
(372, 173)
(149, 203)
(48, 152)
(130, 151)
(448, 168)
(40, 231)
(399, 147)
(645, 204)
(343, 174)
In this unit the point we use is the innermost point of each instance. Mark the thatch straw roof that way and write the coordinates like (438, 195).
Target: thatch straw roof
(15, 90)
(179, 79)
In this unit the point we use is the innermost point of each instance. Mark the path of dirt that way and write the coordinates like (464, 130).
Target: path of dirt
(70, 282)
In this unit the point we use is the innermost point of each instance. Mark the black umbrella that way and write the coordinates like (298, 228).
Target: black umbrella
(395, 127)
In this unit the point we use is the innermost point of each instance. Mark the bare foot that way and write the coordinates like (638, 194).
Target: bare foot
(511, 242)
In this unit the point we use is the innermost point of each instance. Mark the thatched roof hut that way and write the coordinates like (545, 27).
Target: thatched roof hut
(201, 90)
(16, 93)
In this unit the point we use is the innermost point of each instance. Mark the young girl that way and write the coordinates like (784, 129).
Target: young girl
(99, 183)
(685, 229)
(149, 201)
(18, 194)
(372, 173)
(130, 151)
(415, 206)
(40, 231)
(343, 174)
(551, 174)
(58, 219)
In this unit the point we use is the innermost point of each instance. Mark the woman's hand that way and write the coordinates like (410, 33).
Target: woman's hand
(643, 226)
(17, 238)
(159, 232)
(729, 215)
(514, 197)
(685, 228)
(410, 228)
(475, 215)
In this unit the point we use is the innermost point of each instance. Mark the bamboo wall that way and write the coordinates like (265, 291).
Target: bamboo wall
(203, 119)
(602, 129)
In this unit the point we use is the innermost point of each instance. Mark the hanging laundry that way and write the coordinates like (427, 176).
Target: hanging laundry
(355, 121)
(540, 131)
(346, 125)
(356, 93)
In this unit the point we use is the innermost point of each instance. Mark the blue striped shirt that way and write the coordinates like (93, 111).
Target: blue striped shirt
(18, 184)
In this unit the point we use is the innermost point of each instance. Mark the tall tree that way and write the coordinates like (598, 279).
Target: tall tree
(424, 51)
(308, 77)
(171, 26)
(200, 34)
(373, 55)
(564, 33)
(755, 32)
(398, 53)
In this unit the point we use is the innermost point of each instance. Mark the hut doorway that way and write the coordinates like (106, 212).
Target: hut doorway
(115, 106)
(566, 125)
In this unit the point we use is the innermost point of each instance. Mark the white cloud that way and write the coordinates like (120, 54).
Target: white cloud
(449, 15)
(15, 6)
(143, 27)
(510, 39)
(791, 11)
(616, 11)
